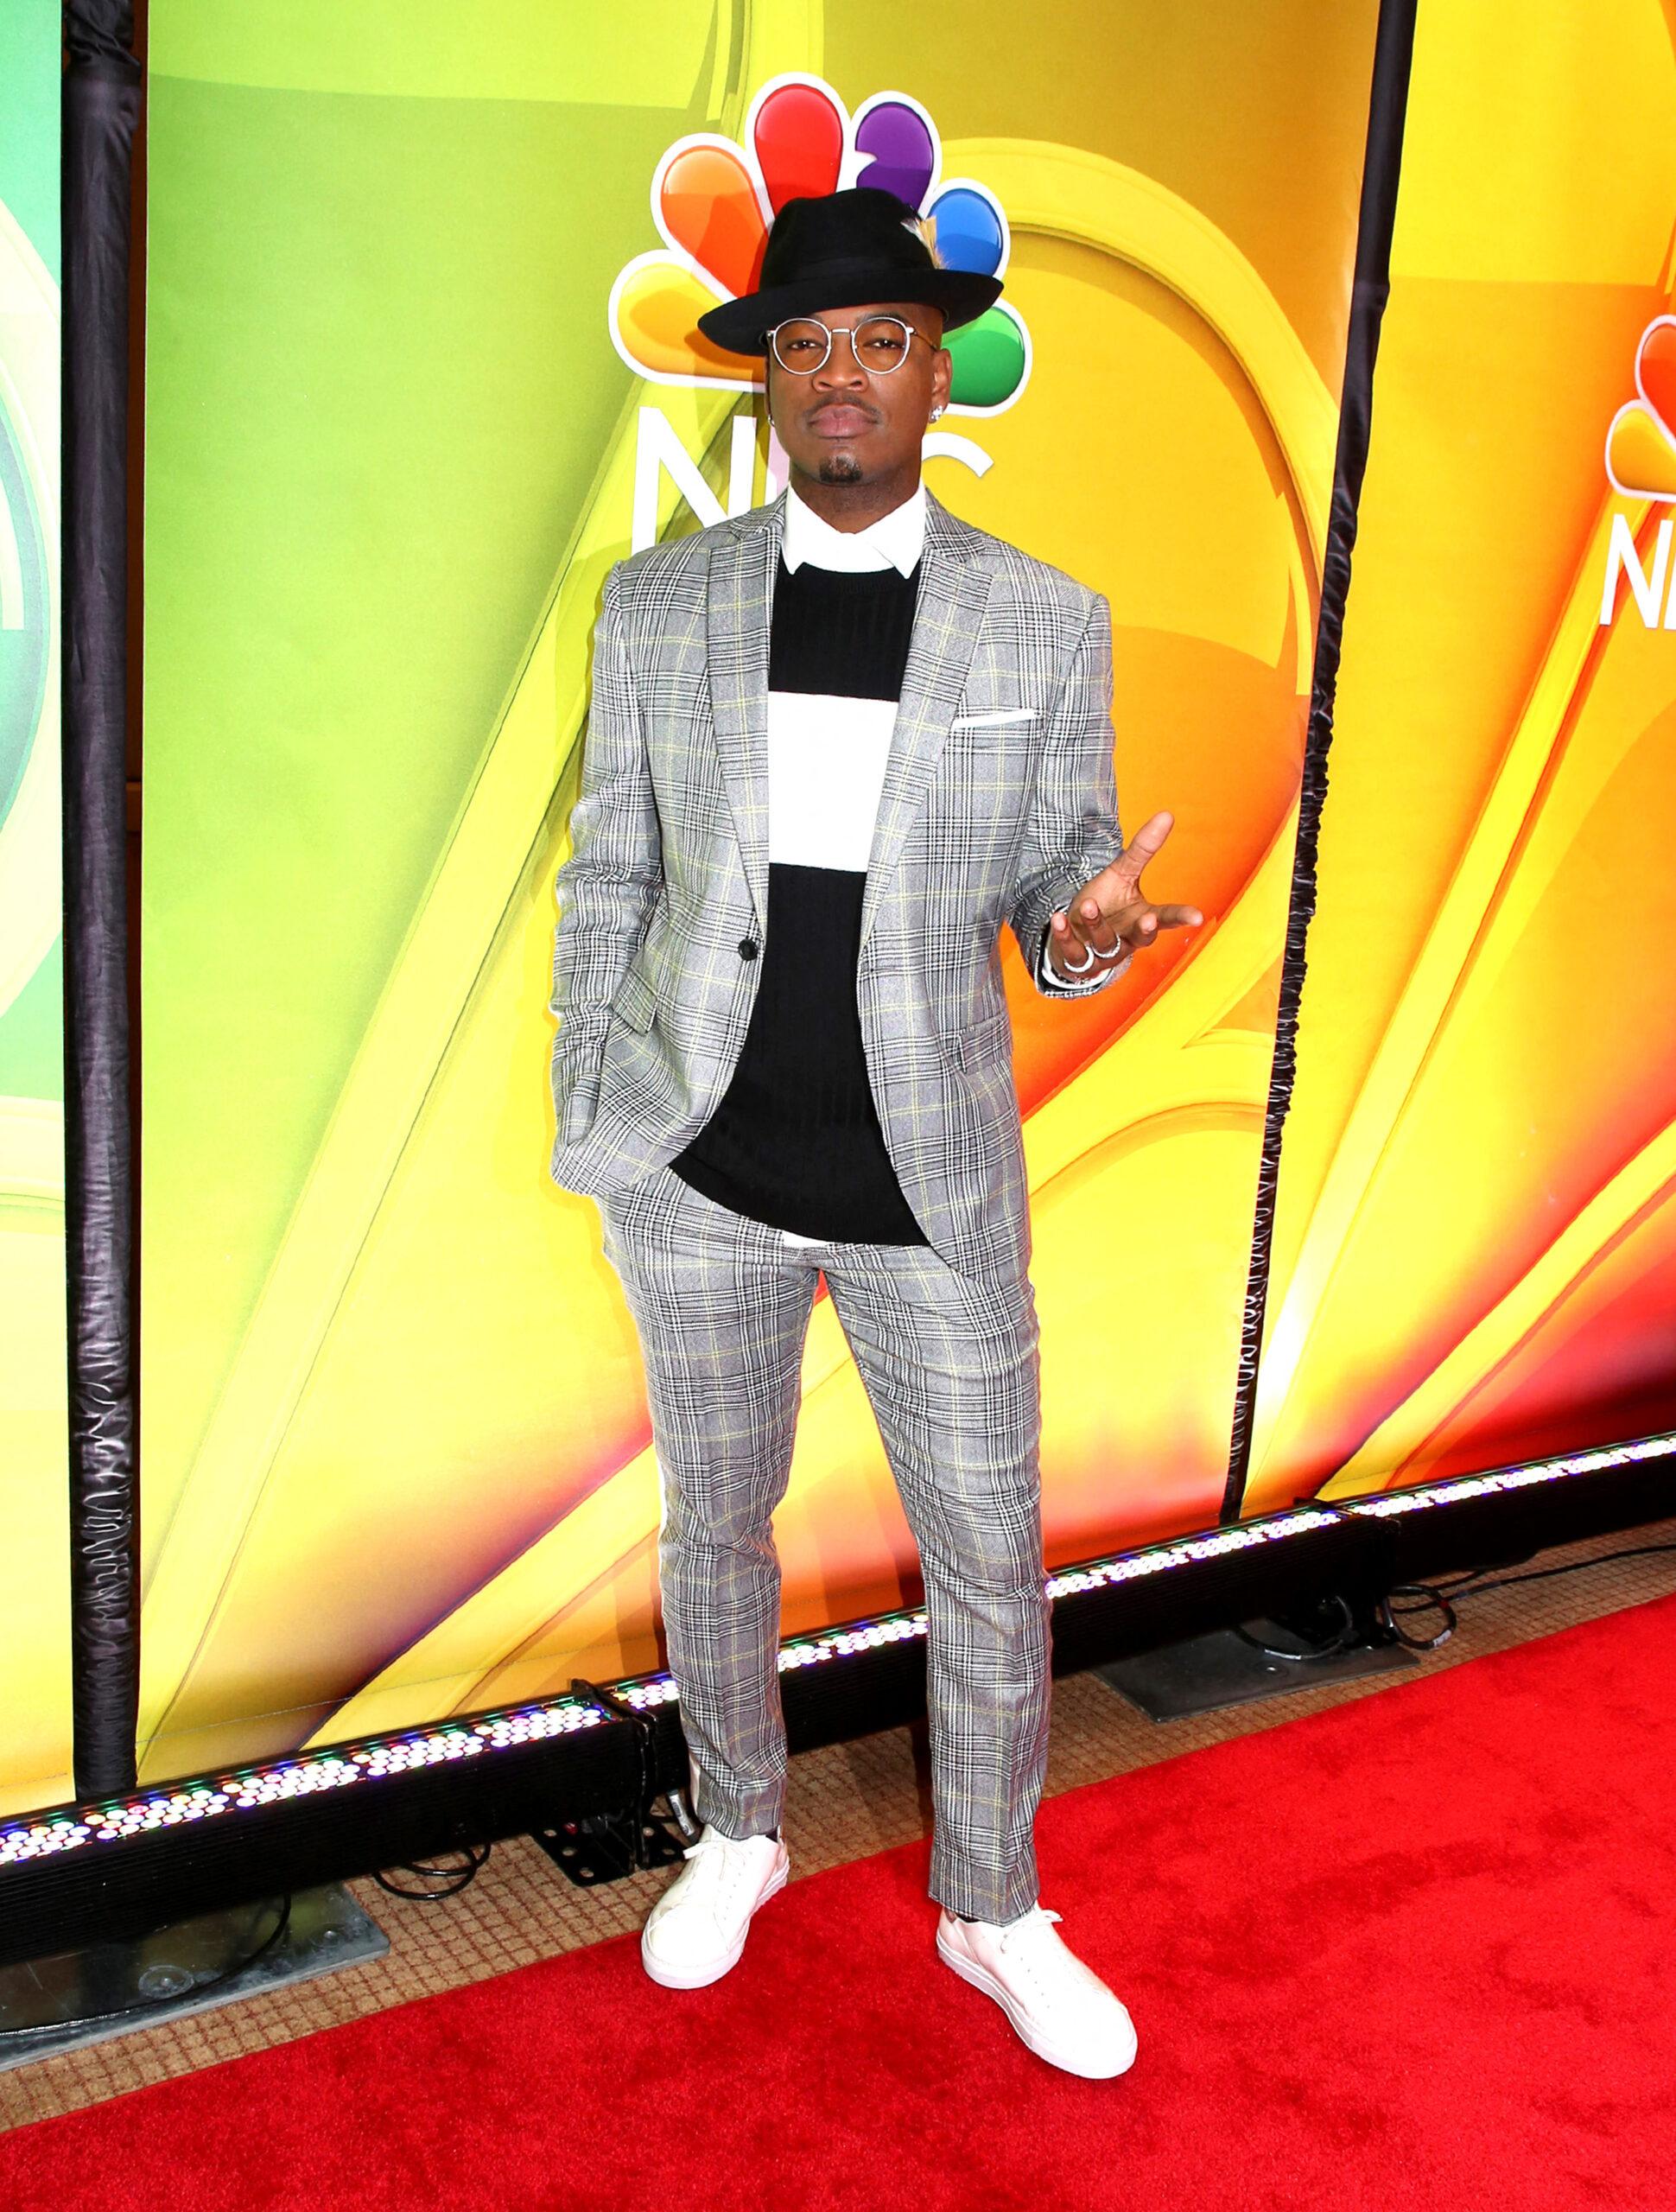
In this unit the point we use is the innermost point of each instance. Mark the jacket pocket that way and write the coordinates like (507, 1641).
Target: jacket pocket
(986, 1042)
(636, 1003)
(995, 718)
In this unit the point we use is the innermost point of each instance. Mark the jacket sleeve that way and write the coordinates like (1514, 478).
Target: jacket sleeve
(607, 888)
(1073, 831)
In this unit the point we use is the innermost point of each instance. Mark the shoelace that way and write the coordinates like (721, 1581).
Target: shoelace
(716, 1869)
(1026, 1922)
(1030, 1943)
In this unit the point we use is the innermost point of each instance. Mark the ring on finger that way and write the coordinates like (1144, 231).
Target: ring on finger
(1078, 967)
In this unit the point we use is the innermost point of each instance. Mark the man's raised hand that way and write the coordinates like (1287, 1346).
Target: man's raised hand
(1109, 914)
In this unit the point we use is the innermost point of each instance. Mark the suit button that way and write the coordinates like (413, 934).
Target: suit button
(747, 948)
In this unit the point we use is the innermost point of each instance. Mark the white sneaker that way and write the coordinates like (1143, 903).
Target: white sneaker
(1060, 2008)
(697, 1929)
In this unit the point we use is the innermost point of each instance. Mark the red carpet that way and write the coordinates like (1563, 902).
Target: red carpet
(1409, 1953)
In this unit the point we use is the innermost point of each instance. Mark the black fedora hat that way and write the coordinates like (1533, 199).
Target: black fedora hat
(843, 250)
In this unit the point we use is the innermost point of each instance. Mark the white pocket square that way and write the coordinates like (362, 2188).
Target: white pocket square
(995, 715)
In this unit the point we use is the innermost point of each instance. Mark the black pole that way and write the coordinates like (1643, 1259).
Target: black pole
(1388, 103)
(101, 108)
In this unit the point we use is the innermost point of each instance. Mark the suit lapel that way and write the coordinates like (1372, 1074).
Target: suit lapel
(954, 585)
(739, 602)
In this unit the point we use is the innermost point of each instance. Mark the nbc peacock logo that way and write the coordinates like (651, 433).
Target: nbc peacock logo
(713, 200)
(1641, 465)
(1641, 445)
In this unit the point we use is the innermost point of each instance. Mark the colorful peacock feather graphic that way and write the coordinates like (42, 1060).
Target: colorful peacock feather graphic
(1641, 444)
(713, 201)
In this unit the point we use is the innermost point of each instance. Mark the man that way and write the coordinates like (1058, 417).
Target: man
(836, 744)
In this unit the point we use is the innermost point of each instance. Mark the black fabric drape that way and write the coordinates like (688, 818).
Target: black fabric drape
(101, 107)
(1392, 53)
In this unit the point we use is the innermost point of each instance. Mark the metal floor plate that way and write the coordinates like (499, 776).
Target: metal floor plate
(1208, 1672)
(50, 2005)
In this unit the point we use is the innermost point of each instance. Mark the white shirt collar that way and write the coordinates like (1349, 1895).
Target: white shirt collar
(894, 541)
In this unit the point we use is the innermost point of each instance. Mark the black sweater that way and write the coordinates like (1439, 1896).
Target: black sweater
(795, 1140)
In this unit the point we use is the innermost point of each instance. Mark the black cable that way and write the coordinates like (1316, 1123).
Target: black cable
(456, 1877)
(1346, 1638)
(1442, 1597)
(1389, 1614)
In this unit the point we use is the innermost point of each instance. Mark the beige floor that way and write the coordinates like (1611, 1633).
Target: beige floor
(844, 1803)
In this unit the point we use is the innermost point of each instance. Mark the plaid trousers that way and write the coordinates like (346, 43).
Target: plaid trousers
(950, 1363)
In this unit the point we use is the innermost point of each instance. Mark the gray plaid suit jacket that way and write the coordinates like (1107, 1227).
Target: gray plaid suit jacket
(999, 801)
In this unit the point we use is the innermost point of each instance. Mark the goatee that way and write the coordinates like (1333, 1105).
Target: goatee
(839, 468)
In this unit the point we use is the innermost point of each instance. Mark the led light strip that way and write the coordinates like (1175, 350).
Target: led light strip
(246, 1789)
(1392, 1502)
(1133, 1566)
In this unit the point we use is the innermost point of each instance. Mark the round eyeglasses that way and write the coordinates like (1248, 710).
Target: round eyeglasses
(879, 343)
